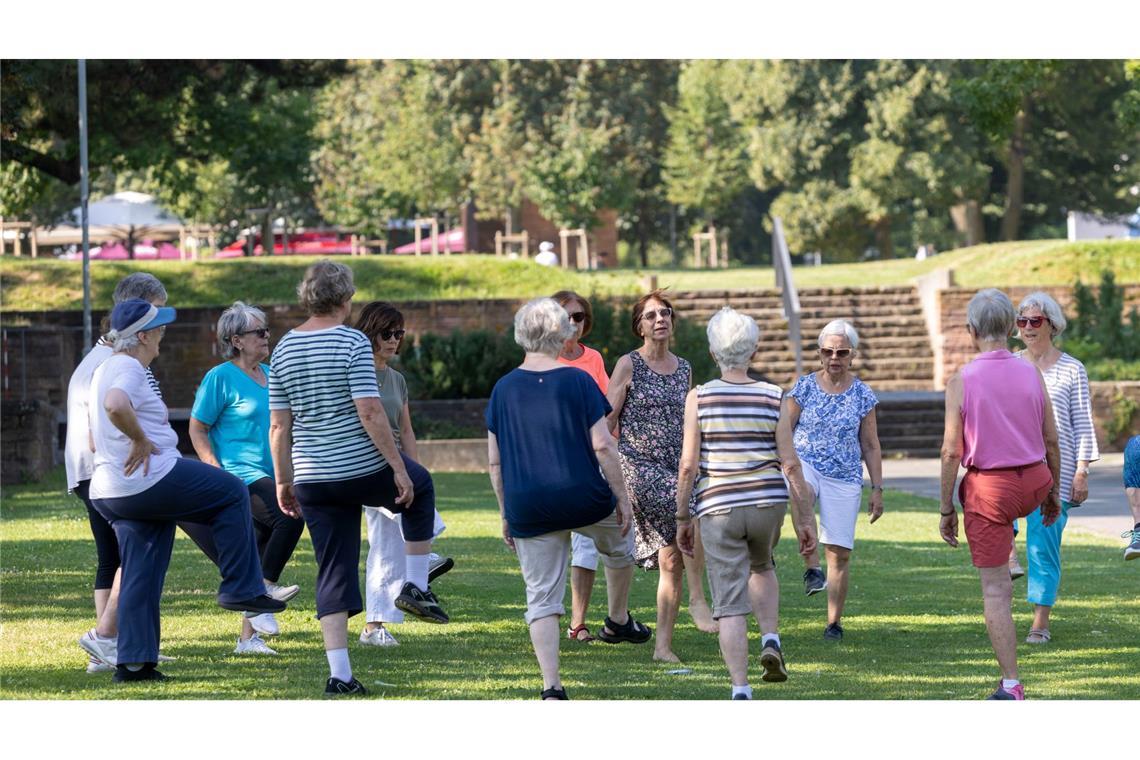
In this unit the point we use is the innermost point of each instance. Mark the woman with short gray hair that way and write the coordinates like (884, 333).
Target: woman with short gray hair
(829, 419)
(326, 286)
(547, 436)
(229, 428)
(1040, 322)
(990, 315)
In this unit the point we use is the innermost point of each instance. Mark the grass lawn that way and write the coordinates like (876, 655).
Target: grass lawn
(914, 622)
(45, 284)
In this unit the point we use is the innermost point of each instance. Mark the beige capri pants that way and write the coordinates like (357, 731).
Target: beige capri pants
(737, 542)
(544, 560)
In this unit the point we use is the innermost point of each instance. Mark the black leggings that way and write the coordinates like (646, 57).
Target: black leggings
(277, 533)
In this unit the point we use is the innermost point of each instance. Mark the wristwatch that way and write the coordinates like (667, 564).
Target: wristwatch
(876, 488)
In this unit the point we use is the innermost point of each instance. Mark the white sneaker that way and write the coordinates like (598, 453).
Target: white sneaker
(95, 665)
(253, 645)
(104, 650)
(265, 623)
(378, 637)
(281, 593)
(164, 658)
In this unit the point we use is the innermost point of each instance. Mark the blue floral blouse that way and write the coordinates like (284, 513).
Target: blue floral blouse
(827, 435)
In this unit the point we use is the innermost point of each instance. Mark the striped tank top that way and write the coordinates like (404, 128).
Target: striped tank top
(739, 465)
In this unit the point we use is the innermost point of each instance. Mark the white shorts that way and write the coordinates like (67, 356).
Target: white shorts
(839, 503)
(583, 552)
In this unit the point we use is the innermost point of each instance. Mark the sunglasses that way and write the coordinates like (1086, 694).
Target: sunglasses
(261, 332)
(389, 334)
(1033, 322)
(578, 316)
(651, 315)
(842, 353)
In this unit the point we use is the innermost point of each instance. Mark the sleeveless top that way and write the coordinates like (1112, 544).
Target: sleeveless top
(1003, 410)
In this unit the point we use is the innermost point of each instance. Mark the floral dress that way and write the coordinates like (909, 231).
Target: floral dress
(652, 429)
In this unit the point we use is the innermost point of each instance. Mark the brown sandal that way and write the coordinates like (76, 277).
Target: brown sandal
(575, 634)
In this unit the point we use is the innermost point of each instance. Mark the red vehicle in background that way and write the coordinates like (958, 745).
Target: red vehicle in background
(310, 243)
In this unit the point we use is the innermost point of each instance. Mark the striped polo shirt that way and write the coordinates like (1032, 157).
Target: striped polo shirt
(740, 465)
(317, 375)
(1068, 387)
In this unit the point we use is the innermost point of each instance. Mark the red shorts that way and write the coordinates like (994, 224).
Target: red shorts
(992, 500)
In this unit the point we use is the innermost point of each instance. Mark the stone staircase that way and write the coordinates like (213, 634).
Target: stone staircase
(910, 423)
(894, 349)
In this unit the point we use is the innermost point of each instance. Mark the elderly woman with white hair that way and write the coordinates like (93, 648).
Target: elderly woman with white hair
(829, 415)
(1040, 322)
(547, 436)
(1000, 426)
(229, 428)
(731, 452)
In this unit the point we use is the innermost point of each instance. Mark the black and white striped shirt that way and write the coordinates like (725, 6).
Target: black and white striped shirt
(317, 375)
(1068, 386)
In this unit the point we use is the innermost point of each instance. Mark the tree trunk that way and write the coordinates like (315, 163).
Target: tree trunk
(130, 243)
(1015, 192)
(883, 238)
(967, 218)
(267, 233)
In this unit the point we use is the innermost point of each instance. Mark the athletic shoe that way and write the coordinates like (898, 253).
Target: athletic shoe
(254, 606)
(282, 593)
(1132, 551)
(741, 696)
(163, 658)
(1015, 570)
(95, 665)
(104, 650)
(378, 637)
(1017, 693)
(253, 645)
(833, 632)
(146, 673)
(438, 565)
(814, 581)
(335, 687)
(265, 623)
(772, 660)
(422, 604)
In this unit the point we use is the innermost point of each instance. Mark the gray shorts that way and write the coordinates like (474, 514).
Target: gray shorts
(543, 560)
(738, 542)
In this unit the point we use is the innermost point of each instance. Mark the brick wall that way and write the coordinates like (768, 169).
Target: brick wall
(30, 442)
(603, 239)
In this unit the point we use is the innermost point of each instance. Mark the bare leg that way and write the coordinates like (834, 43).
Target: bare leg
(544, 637)
(734, 647)
(997, 594)
(618, 582)
(668, 601)
(418, 547)
(581, 588)
(108, 625)
(247, 628)
(695, 574)
(838, 560)
(1041, 617)
(1133, 495)
(812, 560)
(764, 595)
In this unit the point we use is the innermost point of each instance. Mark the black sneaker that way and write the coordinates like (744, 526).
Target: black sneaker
(438, 565)
(772, 660)
(422, 604)
(335, 687)
(814, 581)
(146, 673)
(741, 696)
(833, 632)
(255, 606)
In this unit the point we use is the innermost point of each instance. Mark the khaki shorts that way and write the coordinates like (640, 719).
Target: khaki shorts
(543, 560)
(738, 542)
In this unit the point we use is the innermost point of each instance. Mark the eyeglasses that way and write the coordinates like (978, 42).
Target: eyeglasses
(261, 332)
(842, 353)
(651, 315)
(389, 334)
(578, 316)
(1033, 322)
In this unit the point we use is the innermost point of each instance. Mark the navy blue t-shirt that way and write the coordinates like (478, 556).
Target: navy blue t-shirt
(542, 422)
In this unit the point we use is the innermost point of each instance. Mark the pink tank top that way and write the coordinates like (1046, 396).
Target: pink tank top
(1003, 407)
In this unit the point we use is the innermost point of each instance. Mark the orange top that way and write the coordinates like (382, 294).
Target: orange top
(591, 363)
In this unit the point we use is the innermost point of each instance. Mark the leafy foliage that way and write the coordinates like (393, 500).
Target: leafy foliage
(1098, 331)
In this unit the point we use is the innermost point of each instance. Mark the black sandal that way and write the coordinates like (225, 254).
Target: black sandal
(632, 631)
(553, 692)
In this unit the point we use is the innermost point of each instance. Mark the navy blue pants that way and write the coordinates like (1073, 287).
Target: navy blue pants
(195, 493)
(332, 511)
(277, 533)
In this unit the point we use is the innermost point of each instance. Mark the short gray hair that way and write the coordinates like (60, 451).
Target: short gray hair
(233, 321)
(840, 327)
(991, 314)
(542, 327)
(1047, 306)
(732, 338)
(125, 343)
(327, 285)
(140, 285)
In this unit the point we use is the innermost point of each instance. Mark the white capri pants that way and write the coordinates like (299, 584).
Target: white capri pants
(385, 570)
(839, 503)
(583, 551)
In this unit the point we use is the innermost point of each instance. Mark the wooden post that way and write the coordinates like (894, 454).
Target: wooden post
(565, 257)
(498, 243)
(181, 243)
(712, 247)
(697, 250)
(417, 224)
(284, 235)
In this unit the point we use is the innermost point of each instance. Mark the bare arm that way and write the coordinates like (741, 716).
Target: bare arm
(407, 435)
(873, 456)
(200, 438)
(281, 449)
(375, 422)
(619, 386)
(495, 470)
(1051, 509)
(951, 460)
(121, 413)
(687, 474)
(803, 516)
(606, 450)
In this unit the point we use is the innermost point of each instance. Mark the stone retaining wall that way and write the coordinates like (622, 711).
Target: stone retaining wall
(30, 444)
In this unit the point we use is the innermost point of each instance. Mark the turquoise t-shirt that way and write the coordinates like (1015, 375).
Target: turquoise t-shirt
(237, 411)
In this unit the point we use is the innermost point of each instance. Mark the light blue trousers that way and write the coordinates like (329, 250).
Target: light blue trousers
(1043, 554)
